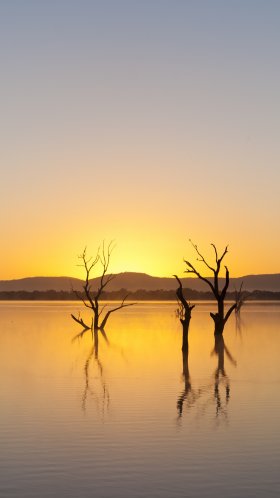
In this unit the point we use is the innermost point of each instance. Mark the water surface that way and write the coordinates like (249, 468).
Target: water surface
(129, 416)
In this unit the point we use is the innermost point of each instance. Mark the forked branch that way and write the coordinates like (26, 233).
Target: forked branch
(80, 321)
(122, 305)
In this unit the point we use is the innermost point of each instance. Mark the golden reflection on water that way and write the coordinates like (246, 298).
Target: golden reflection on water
(139, 358)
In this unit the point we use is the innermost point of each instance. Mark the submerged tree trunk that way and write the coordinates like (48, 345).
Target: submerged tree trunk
(219, 323)
(187, 381)
(185, 313)
(185, 358)
(95, 320)
(219, 350)
(220, 318)
(96, 342)
(185, 336)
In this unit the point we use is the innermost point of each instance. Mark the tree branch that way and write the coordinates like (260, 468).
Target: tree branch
(195, 272)
(202, 259)
(80, 321)
(122, 305)
(216, 252)
(80, 297)
(224, 291)
(179, 293)
(230, 310)
(223, 255)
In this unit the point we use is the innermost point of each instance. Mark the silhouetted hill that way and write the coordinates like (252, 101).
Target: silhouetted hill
(135, 281)
(40, 284)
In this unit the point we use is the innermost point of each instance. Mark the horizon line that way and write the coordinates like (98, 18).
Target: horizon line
(133, 272)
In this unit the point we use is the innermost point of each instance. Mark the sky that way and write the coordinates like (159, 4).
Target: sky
(149, 122)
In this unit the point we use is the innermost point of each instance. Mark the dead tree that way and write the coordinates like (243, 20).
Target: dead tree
(185, 311)
(240, 298)
(91, 299)
(220, 317)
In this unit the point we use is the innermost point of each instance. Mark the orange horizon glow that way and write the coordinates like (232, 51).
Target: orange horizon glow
(162, 263)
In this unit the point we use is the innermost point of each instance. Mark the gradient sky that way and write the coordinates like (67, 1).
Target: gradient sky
(148, 122)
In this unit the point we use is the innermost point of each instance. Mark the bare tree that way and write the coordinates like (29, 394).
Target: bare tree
(91, 299)
(220, 318)
(240, 298)
(184, 313)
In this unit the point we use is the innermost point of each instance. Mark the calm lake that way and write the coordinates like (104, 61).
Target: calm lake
(129, 416)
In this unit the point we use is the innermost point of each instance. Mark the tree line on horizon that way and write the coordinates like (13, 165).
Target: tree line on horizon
(139, 295)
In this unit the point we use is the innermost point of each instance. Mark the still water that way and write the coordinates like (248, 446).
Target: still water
(129, 416)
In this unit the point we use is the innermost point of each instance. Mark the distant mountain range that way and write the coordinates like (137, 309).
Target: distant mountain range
(135, 281)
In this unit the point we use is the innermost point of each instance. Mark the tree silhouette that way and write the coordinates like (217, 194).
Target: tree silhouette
(220, 317)
(91, 299)
(240, 298)
(184, 313)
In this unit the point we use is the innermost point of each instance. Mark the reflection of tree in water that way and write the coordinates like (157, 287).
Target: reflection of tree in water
(99, 393)
(221, 379)
(238, 324)
(241, 298)
(189, 395)
(205, 395)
